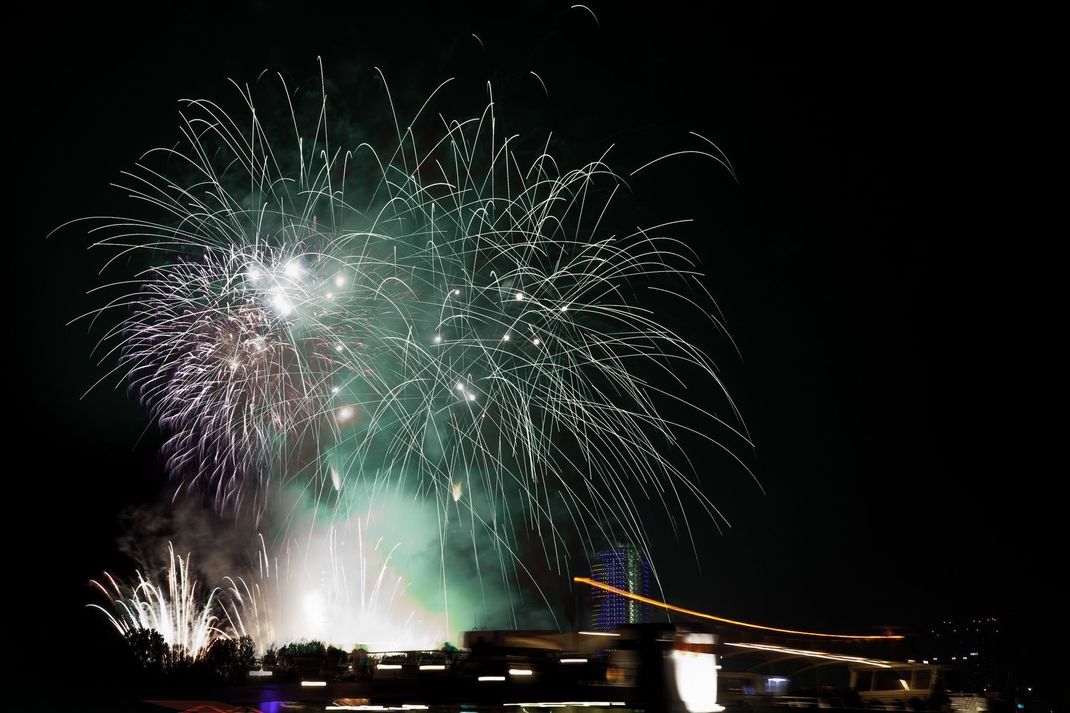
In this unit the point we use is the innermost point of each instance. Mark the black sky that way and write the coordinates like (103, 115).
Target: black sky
(864, 262)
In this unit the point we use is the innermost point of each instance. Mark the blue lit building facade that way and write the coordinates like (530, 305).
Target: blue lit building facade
(625, 568)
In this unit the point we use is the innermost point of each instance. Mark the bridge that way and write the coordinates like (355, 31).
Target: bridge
(758, 659)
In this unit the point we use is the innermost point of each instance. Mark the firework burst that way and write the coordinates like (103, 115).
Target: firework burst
(337, 587)
(443, 311)
(186, 623)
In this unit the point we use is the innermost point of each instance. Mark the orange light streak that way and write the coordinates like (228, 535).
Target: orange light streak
(711, 617)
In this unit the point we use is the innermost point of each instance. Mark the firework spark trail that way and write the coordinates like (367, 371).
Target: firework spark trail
(184, 622)
(314, 594)
(457, 315)
(335, 586)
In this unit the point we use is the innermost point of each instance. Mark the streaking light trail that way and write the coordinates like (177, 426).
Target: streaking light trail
(711, 617)
(806, 653)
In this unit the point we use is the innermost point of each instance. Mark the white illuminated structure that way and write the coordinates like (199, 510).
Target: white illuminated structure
(695, 672)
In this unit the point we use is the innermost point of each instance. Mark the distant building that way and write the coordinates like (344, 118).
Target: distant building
(976, 647)
(623, 567)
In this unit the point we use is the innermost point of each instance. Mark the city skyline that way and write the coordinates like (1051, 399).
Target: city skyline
(894, 484)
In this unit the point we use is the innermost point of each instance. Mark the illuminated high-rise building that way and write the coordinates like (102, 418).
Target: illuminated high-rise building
(623, 567)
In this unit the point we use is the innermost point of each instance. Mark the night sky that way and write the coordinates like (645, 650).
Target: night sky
(866, 264)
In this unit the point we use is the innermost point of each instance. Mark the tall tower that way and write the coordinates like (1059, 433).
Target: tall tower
(623, 567)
